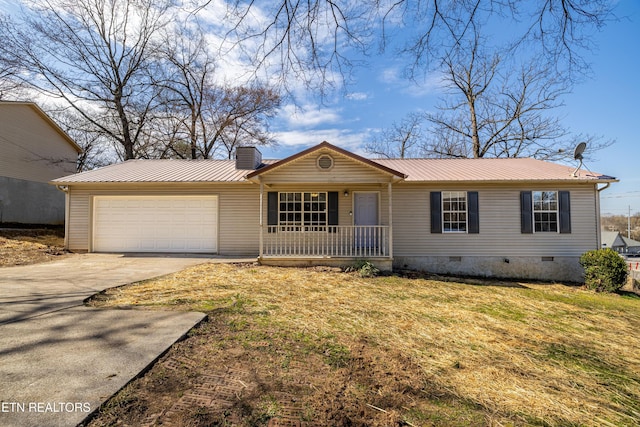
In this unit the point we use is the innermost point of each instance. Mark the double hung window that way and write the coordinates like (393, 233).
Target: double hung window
(454, 211)
(545, 211)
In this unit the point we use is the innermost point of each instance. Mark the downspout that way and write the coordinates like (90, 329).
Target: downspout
(261, 251)
(598, 215)
(65, 190)
(390, 202)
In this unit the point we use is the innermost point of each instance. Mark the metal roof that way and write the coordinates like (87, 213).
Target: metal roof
(488, 170)
(414, 170)
(162, 171)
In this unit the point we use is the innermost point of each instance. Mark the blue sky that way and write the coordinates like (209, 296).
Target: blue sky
(607, 105)
(378, 96)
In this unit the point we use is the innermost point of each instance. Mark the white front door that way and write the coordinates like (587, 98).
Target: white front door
(365, 212)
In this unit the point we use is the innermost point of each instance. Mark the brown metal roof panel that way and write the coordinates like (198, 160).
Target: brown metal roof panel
(522, 169)
(415, 170)
(163, 171)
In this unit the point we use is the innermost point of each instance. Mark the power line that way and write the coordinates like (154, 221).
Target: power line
(622, 195)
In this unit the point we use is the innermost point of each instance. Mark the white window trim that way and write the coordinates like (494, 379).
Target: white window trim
(534, 211)
(302, 228)
(466, 212)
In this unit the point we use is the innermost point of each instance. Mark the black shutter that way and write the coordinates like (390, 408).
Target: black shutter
(474, 216)
(564, 210)
(436, 212)
(526, 212)
(272, 210)
(332, 210)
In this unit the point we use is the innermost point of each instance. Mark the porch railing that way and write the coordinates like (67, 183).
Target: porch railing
(356, 241)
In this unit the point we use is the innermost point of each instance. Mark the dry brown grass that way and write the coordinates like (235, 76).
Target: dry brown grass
(535, 354)
(30, 246)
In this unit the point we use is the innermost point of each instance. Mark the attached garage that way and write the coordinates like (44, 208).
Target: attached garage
(184, 224)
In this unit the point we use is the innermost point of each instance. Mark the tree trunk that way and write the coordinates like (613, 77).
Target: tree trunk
(475, 137)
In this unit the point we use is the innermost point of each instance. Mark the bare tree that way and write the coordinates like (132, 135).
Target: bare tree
(97, 151)
(401, 141)
(10, 86)
(209, 118)
(238, 116)
(498, 108)
(187, 75)
(317, 39)
(559, 30)
(94, 55)
(298, 41)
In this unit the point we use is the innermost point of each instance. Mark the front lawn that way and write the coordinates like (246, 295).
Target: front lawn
(286, 346)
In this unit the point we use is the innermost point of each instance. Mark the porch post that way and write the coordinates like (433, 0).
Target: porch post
(389, 186)
(261, 215)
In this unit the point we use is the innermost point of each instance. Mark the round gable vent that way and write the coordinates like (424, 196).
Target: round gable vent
(325, 162)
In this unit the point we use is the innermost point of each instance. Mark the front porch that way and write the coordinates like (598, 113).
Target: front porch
(326, 206)
(336, 246)
(336, 241)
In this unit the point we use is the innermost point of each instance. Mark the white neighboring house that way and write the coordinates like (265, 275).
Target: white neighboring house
(521, 218)
(33, 151)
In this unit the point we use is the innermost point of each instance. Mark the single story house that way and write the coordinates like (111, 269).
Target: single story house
(521, 218)
(613, 240)
(33, 151)
(616, 241)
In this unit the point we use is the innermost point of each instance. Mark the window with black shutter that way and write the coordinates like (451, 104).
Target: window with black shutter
(455, 212)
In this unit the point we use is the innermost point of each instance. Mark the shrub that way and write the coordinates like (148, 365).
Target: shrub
(364, 268)
(604, 270)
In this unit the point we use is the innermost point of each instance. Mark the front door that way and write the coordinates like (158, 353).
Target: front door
(365, 207)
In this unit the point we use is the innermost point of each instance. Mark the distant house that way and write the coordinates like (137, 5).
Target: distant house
(33, 151)
(615, 240)
(520, 218)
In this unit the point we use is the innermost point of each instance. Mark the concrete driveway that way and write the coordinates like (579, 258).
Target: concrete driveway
(59, 360)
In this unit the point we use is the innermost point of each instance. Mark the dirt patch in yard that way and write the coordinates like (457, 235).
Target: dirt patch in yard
(23, 246)
(235, 370)
(302, 347)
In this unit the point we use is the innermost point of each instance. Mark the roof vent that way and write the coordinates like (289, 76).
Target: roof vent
(248, 158)
(325, 162)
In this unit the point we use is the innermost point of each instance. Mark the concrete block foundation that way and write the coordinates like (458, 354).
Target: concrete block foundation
(29, 202)
(561, 269)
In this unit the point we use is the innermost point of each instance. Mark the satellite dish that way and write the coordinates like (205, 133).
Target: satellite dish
(577, 155)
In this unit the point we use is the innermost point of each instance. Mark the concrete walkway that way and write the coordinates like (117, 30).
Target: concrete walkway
(59, 360)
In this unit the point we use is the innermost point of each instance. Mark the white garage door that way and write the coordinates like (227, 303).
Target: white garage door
(155, 224)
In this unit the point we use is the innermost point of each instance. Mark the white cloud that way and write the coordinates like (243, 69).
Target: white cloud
(431, 84)
(308, 116)
(357, 96)
(390, 76)
(343, 138)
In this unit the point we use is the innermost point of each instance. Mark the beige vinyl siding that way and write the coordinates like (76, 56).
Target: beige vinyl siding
(30, 149)
(345, 204)
(238, 206)
(344, 171)
(239, 221)
(499, 210)
(78, 218)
